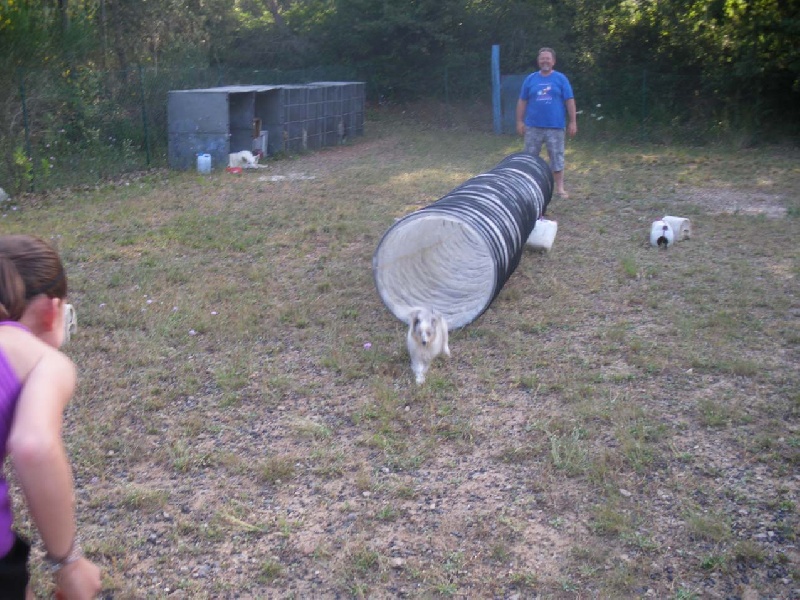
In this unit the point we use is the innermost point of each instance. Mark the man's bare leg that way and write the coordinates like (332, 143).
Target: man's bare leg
(558, 178)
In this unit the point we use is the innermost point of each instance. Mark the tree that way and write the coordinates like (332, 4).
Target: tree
(402, 45)
(268, 34)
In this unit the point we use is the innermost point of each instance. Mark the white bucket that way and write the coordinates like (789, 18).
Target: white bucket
(204, 163)
(543, 235)
(682, 228)
(661, 234)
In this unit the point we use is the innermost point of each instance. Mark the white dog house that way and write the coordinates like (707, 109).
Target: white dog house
(271, 118)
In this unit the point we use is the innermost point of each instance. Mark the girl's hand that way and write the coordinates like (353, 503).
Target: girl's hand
(78, 581)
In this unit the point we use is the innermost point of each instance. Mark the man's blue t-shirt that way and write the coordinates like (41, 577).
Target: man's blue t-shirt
(546, 97)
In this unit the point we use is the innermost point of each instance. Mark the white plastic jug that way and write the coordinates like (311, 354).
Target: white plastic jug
(204, 163)
(661, 234)
(543, 235)
(681, 227)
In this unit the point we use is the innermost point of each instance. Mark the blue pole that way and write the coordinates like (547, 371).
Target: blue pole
(498, 125)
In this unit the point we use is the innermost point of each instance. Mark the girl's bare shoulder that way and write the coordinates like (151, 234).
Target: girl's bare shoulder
(28, 356)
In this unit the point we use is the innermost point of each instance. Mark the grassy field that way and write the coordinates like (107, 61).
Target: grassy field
(622, 422)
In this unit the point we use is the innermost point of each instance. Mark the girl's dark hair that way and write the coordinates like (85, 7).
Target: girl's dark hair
(29, 266)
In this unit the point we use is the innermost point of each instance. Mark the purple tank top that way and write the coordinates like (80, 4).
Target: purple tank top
(10, 388)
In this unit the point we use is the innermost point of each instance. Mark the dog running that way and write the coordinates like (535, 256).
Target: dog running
(427, 339)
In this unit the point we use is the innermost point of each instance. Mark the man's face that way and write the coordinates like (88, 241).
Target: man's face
(546, 62)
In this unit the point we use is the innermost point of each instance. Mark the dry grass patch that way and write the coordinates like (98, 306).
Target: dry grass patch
(620, 423)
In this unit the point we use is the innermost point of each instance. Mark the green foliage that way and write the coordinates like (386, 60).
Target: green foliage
(23, 170)
(399, 43)
(705, 62)
(665, 72)
(33, 33)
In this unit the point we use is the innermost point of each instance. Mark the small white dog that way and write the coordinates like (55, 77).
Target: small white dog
(245, 159)
(427, 339)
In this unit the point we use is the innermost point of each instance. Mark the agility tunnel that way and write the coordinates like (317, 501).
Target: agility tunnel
(456, 254)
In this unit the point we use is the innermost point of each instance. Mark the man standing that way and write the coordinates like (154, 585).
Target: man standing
(545, 97)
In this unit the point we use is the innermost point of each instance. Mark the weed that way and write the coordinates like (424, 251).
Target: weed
(569, 453)
(528, 382)
(276, 468)
(143, 498)
(714, 414)
(609, 520)
(629, 267)
(568, 585)
(708, 526)
(524, 580)
(499, 553)
(712, 562)
(312, 429)
(446, 588)
(387, 513)
(363, 561)
(269, 571)
(454, 562)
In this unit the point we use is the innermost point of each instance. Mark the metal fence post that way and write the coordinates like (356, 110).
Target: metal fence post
(496, 111)
(144, 115)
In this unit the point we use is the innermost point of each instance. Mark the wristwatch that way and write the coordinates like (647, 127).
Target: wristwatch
(75, 553)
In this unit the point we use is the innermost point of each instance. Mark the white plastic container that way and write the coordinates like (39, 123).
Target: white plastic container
(70, 322)
(682, 228)
(204, 163)
(543, 235)
(661, 234)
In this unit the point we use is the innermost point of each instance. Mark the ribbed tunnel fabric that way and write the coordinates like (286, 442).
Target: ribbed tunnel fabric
(455, 255)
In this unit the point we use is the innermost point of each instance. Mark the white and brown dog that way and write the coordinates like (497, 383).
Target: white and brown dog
(427, 339)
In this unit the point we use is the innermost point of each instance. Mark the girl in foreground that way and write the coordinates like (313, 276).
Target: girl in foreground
(36, 382)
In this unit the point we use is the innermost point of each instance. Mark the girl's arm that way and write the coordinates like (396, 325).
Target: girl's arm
(38, 454)
(45, 475)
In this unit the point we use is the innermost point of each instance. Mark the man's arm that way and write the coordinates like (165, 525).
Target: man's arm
(522, 106)
(572, 125)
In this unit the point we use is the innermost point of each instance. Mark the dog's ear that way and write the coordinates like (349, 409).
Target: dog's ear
(413, 317)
